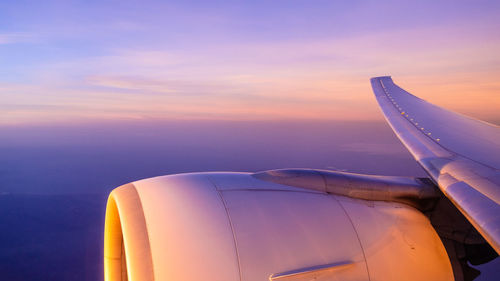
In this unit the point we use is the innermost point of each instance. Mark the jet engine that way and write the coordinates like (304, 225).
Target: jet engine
(275, 225)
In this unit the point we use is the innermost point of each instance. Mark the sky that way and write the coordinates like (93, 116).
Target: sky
(95, 94)
(73, 62)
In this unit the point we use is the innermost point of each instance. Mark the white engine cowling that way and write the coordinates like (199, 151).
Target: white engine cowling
(234, 226)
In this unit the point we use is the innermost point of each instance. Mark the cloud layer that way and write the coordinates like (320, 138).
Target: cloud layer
(242, 62)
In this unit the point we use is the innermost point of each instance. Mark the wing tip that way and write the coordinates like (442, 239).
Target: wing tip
(385, 77)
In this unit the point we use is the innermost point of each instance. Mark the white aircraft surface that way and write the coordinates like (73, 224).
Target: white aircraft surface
(302, 224)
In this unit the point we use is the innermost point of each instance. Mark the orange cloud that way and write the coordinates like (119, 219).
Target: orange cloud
(325, 79)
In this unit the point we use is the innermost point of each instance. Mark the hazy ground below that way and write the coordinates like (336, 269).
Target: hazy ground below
(55, 179)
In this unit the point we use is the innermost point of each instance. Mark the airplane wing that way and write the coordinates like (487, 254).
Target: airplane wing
(461, 154)
(302, 224)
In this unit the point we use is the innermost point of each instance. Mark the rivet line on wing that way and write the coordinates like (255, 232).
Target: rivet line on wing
(406, 114)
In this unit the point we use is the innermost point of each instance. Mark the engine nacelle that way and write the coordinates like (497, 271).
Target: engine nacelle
(235, 226)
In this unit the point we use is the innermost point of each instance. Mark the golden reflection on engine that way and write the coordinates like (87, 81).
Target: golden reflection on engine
(115, 264)
(126, 244)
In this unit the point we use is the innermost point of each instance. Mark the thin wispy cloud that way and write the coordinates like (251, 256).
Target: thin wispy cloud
(18, 37)
(225, 65)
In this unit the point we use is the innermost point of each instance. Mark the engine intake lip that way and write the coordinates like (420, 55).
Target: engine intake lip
(127, 253)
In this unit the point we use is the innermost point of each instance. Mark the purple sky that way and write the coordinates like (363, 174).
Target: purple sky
(95, 94)
(87, 61)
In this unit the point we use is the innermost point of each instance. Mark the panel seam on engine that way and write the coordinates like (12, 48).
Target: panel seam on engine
(357, 235)
(235, 241)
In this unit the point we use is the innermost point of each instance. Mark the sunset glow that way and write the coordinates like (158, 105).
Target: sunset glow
(247, 61)
(249, 140)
